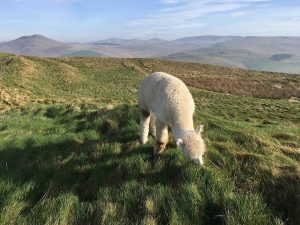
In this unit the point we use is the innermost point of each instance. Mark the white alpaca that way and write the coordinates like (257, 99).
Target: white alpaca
(164, 100)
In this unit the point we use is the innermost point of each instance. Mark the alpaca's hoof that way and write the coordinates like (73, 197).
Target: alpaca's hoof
(161, 150)
(159, 147)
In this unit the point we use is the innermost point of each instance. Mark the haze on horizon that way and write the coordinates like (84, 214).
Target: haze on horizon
(90, 20)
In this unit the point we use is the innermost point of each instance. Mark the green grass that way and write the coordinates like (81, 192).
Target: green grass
(76, 159)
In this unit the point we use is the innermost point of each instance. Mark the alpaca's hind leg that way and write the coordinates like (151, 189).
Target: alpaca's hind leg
(161, 138)
(145, 121)
(152, 126)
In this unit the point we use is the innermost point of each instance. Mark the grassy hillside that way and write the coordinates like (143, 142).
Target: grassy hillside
(69, 150)
(28, 79)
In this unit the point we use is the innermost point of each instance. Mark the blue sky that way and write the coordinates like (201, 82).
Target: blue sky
(90, 20)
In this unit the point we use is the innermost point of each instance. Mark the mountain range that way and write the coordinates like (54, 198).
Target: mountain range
(278, 54)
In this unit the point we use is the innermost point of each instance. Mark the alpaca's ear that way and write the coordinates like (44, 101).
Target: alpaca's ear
(179, 142)
(199, 129)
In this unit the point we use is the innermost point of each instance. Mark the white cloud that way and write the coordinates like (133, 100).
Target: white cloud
(239, 13)
(170, 1)
(187, 12)
(296, 18)
(220, 17)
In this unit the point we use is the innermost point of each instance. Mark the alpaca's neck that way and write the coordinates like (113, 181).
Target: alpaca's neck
(179, 129)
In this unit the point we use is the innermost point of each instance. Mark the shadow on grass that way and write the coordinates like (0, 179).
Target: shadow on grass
(83, 168)
(283, 193)
(278, 184)
(116, 160)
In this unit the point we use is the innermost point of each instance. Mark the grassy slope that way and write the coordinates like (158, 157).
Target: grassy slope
(53, 80)
(69, 150)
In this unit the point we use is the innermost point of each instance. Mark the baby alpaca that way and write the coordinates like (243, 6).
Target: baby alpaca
(164, 100)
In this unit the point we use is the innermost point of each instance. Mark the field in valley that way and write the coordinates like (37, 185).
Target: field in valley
(69, 149)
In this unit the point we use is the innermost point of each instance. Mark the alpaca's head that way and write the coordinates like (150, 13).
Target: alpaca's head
(192, 145)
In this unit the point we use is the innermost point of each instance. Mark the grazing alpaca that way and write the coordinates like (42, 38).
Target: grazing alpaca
(164, 100)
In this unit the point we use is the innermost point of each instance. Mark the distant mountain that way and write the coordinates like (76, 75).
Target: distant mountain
(281, 54)
(263, 45)
(206, 40)
(82, 53)
(35, 45)
(110, 41)
(38, 45)
(154, 47)
(258, 53)
(156, 40)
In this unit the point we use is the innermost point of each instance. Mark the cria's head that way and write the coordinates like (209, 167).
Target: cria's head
(192, 145)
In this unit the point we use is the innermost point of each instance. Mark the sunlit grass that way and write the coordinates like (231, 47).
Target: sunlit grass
(62, 166)
(71, 155)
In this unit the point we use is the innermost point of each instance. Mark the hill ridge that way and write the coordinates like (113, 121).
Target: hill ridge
(251, 52)
(65, 78)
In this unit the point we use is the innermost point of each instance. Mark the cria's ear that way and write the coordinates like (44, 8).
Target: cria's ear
(179, 142)
(199, 129)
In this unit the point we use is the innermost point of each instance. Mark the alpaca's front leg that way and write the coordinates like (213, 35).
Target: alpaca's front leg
(161, 138)
(152, 126)
(144, 124)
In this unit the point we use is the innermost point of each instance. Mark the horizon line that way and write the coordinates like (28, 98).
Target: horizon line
(101, 39)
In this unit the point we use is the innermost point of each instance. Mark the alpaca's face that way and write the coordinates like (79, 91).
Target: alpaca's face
(193, 146)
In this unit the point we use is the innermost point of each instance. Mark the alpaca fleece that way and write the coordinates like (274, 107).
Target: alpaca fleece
(164, 100)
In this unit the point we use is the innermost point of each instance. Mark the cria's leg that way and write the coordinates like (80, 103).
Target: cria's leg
(161, 138)
(145, 121)
(152, 126)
